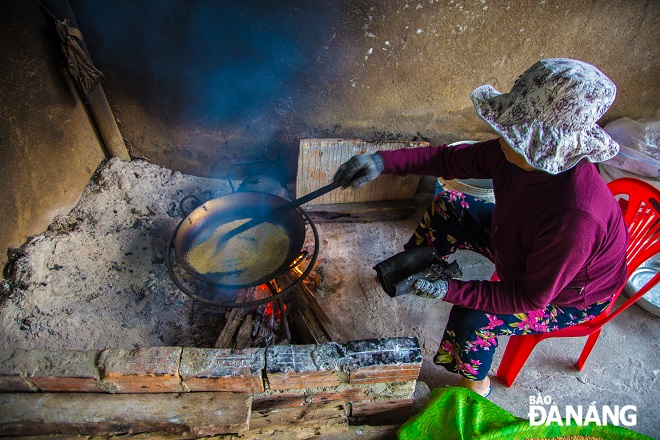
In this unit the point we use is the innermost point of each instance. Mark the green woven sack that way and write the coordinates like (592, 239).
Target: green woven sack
(458, 413)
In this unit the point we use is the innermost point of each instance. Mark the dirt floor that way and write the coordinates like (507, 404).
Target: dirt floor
(96, 279)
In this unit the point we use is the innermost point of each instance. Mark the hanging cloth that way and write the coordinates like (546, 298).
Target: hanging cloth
(79, 64)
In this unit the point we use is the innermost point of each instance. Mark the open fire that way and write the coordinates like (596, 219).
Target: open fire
(270, 324)
(300, 320)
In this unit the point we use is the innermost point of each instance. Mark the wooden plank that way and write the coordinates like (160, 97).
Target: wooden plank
(201, 414)
(380, 407)
(298, 422)
(276, 399)
(319, 159)
(362, 432)
(352, 432)
(363, 212)
(344, 394)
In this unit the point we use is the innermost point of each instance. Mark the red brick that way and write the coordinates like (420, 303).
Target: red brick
(68, 371)
(384, 373)
(383, 360)
(142, 370)
(16, 384)
(304, 366)
(14, 367)
(285, 381)
(211, 369)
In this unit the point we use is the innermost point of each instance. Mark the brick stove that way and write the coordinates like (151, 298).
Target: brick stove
(317, 382)
(259, 315)
(295, 389)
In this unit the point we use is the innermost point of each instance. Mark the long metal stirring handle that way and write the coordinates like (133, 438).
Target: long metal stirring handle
(302, 200)
(277, 211)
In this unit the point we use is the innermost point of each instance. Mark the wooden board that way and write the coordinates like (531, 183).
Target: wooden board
(201, 414)
(319, 159)
(382, 211)
(298, 422)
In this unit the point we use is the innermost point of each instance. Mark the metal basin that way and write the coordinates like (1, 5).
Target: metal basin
(651, 301)
(479, 188)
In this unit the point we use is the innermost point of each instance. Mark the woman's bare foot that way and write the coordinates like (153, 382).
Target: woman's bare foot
(481, 387)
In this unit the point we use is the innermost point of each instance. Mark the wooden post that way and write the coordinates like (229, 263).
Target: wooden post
(106, 124)
(98, 103)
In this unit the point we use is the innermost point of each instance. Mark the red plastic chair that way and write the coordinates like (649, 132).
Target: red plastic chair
(641, 212)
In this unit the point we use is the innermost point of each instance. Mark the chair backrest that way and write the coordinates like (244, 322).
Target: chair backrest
(640, 203)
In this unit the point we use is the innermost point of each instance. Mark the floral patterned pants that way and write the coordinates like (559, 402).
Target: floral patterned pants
(458, 221)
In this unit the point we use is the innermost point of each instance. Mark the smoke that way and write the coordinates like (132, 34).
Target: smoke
(208, 61)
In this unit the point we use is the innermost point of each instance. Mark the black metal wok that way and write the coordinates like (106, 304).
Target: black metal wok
(245, 203)
(200, 224)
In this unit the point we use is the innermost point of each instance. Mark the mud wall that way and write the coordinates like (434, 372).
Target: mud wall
(48, 146)
(199, 85)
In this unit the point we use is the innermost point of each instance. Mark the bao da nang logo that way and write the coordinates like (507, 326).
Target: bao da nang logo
(543, 411)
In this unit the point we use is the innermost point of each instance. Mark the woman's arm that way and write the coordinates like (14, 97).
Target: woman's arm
(558, 253)
(461, 161)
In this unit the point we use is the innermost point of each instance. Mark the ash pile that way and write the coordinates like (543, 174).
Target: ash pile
(95, 278)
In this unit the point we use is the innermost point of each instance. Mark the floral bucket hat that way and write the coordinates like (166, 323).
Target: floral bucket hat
(550, 114)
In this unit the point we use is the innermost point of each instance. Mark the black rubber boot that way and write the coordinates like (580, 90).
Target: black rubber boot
(402, 265)
(398, 273)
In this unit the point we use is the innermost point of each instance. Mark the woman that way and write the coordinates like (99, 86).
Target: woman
(555, 234)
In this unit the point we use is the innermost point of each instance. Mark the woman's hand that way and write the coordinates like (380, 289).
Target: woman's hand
(359, 170)
(431, 289)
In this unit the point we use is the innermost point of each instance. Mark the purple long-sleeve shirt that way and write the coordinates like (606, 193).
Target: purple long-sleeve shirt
(558, 239)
